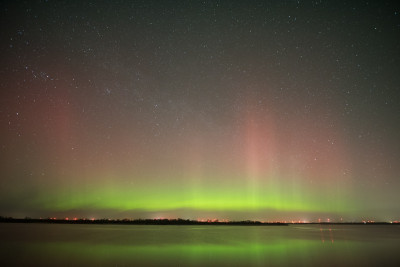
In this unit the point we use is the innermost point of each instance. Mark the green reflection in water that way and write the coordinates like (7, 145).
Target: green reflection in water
(118, 245)
(303, 252)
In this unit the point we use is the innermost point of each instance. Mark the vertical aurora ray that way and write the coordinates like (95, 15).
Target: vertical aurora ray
(259, 152)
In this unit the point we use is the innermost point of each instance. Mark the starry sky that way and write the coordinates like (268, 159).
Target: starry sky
(265, 110)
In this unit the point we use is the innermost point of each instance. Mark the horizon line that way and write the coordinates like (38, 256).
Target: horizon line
(160, 221)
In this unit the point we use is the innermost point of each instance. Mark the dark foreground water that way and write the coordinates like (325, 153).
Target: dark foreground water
(137, 245)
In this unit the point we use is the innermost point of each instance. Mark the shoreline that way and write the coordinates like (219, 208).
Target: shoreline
(180, 222)
(141, 222)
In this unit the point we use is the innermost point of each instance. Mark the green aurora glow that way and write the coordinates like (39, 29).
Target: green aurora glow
(179, 196)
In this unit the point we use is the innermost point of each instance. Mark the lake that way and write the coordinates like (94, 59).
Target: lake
(170, 245)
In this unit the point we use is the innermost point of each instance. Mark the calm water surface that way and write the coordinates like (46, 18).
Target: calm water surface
(137, 245)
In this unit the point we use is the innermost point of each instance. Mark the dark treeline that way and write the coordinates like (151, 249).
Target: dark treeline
(175, 222)
(136, 221)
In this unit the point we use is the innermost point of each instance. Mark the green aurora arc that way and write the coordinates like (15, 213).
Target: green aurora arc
(214, 198)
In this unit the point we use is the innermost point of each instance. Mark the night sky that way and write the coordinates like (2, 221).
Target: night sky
(264, 110)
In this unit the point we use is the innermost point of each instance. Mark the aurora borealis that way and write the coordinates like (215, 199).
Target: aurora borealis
(264, 110)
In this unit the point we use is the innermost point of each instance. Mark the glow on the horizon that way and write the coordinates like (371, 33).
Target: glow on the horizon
(217, 197)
